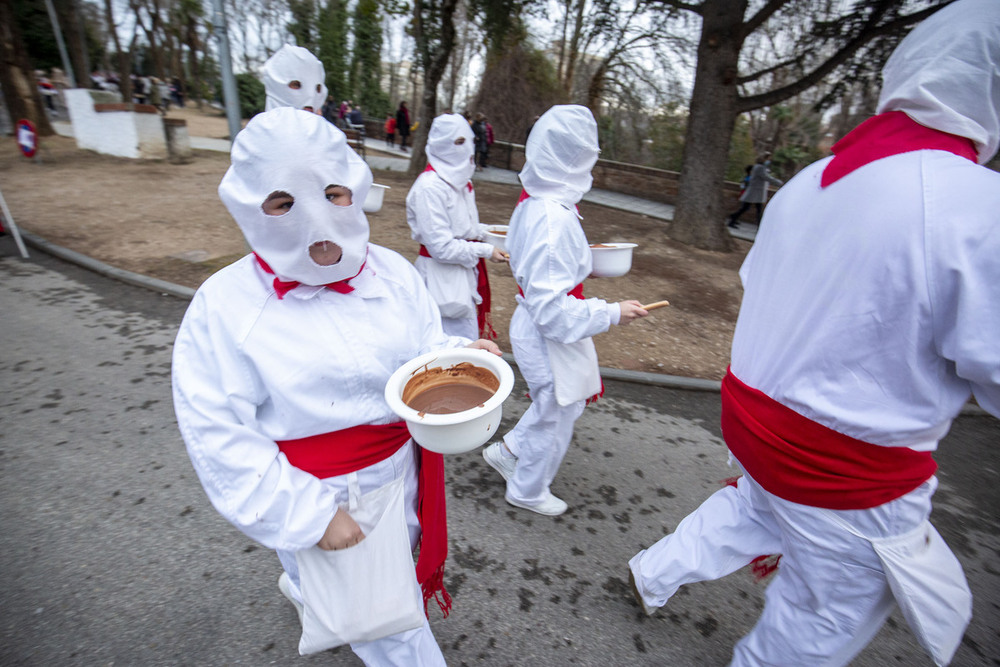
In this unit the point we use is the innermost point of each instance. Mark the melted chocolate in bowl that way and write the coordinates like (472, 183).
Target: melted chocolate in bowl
(444, 391)
(601, 245)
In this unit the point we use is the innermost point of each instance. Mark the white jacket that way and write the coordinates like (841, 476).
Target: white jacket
(444, 219)
(249, 370)
(872, 306)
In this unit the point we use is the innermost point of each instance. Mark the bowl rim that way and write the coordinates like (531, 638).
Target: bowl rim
(612, 245)
(492, 229)
(495, 364)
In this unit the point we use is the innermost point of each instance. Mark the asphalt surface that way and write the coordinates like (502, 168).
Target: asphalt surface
(111, 554)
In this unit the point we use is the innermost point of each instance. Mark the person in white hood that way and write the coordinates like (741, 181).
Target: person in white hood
(871, 312)
(281, 360)
(443, 218)
(294, 77)
(551, 329)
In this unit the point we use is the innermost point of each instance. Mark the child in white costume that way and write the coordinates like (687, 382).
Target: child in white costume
(551, 329)
(441, 211)
(294, 77)
(871, 311)
(292, 346)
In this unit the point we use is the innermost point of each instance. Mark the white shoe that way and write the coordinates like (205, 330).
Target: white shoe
(551, 506)
(285, 586)
(505, 465)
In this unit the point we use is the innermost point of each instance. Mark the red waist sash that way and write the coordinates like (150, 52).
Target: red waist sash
(483, 319)
(350, 450)
(804, 462)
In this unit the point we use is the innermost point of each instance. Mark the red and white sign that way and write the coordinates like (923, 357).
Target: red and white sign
(27, 137)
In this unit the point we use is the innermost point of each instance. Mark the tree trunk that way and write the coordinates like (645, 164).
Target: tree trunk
(17, 78)
(699, 218)
(434, 61)
(72, 28)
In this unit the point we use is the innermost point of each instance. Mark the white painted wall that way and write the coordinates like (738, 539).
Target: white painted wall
(122, 133)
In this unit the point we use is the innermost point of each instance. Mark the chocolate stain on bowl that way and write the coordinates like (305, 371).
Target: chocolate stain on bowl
(445, 391)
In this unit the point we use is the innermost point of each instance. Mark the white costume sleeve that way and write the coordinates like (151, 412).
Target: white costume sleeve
(246, 478)
(963, 247)
(552, 259)
(429, 211)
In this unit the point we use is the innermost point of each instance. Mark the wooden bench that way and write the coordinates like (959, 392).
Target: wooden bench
(356, 140)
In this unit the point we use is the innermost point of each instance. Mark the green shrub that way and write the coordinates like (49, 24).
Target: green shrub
(251, 93)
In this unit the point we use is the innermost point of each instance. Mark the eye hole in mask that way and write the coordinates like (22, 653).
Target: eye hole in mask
(339, 195)
(459, 141)
(294, 85)
(277, 203)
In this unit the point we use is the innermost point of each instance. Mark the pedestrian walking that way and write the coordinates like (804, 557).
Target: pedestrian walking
(869, 318)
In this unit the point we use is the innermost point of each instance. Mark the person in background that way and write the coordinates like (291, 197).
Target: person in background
(403, 124)
(293, 77)
(357, 118)
(869, 317)
(329, 111)
(755, 191)
(390, 131)
(281, 359)
(552, 326)
(443, 218)
(479, 130)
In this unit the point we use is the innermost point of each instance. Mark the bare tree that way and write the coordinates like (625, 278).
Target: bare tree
(830, 39)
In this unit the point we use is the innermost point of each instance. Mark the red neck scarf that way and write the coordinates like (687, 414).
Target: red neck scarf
(889, 134)
(799, 460)
(484, 319)
(283, 287)
(351, 449)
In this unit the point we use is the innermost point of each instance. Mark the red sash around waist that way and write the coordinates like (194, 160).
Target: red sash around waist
(805, 462)
(483, 319)
(350, 450)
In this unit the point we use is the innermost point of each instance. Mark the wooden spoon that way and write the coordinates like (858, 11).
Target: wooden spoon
(654, 306)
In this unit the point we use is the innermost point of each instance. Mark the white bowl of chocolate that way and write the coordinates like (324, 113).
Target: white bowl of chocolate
(611, 259)
(451, 400)
(497, 235)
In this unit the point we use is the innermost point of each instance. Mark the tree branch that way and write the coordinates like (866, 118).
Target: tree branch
(777, 95)
(677, 4)
(761, 17)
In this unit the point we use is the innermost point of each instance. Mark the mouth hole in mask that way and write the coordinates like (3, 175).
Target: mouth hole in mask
(325, 253)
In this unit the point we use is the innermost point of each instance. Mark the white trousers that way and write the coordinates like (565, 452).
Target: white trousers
(542, 435)
(414, 647)
(829, 596)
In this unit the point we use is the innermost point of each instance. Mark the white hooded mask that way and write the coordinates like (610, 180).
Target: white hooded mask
(560, 153)
(288, 64)
(452, 162)
(946, 74)
(298, 152)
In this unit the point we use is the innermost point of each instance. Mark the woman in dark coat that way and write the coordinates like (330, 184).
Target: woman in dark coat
(403, 124)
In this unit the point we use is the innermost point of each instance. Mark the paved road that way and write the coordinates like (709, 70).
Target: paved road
(111, 554)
